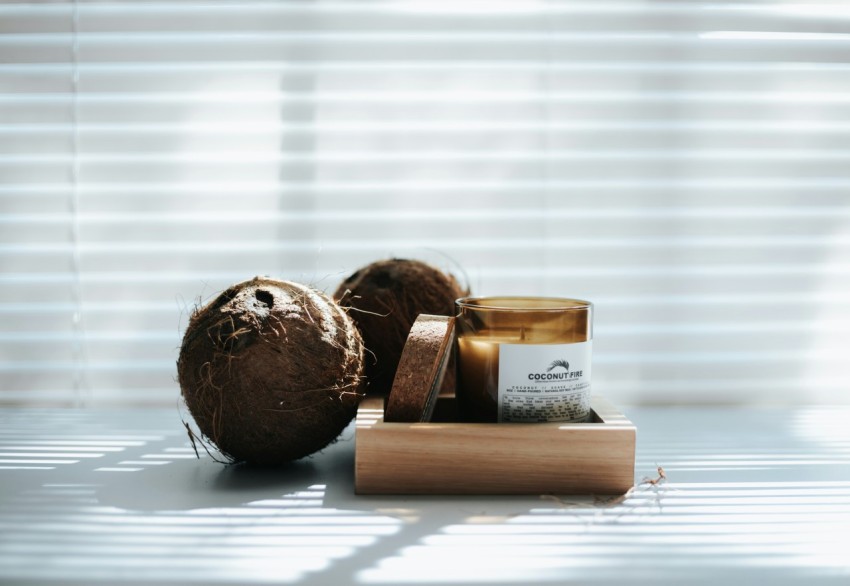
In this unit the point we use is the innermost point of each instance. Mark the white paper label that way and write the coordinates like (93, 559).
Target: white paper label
(544, 382)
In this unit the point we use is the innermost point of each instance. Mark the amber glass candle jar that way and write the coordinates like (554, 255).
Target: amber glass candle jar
(523, 359)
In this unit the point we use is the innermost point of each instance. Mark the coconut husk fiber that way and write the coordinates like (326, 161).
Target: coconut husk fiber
(384, 298)
(271, 371)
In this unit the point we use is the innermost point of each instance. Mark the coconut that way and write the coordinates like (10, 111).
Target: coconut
(384, 298)
(271, 371)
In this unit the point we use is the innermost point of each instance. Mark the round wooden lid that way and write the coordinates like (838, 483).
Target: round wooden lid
(421, 369)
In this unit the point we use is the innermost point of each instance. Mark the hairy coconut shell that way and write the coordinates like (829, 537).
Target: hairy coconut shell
(271, 371)
(385, 298)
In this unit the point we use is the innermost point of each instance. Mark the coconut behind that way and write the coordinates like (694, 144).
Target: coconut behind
(384, 298)
(271, 371)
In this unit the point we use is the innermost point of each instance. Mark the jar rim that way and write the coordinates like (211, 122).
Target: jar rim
(523, 303)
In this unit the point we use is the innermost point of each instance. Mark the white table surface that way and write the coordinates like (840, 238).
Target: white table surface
(118, 497)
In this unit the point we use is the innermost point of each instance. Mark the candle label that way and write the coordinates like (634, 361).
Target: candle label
(544, 382)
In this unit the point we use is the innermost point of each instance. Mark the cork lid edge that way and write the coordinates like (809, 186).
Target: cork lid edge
(421, 370)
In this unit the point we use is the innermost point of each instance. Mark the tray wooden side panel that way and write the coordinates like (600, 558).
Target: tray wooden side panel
(461, 458)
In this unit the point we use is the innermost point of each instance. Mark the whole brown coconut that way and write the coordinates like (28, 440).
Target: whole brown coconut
(271, 371)
(385, 298)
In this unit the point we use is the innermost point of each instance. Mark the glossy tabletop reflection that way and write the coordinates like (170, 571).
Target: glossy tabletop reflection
(119, 497)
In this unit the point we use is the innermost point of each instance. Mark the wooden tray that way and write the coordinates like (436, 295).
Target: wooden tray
(446, 457)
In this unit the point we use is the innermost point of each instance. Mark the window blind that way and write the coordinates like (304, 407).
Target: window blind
(683, 165)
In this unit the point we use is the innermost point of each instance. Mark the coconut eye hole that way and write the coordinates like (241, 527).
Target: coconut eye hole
(264, 297)
(383, 280)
